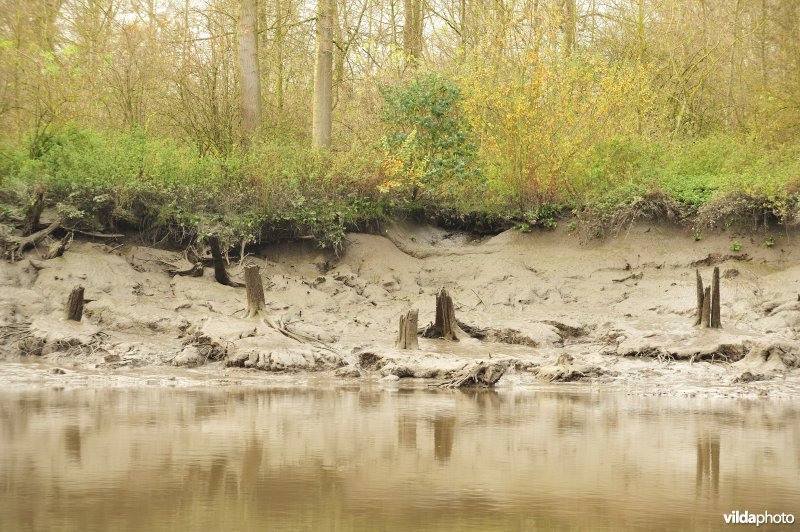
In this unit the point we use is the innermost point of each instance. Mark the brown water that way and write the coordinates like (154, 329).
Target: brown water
(375, 459)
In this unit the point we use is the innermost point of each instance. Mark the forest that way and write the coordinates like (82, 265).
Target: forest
(259, 120)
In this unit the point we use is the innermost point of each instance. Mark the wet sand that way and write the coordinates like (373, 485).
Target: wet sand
(616, 313)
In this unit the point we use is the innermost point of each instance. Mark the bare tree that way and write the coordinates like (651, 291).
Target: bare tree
(323, 75)
(248, 68)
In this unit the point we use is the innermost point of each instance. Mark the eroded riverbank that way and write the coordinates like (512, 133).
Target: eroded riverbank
(616, 313)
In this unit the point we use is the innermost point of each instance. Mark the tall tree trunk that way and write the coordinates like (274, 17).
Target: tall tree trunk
(570, 27)
(248, 68)
(323, 77)
(279, 41)
(640, 35)
(412, 29)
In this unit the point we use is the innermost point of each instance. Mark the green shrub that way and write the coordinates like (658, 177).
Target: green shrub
(430, 153)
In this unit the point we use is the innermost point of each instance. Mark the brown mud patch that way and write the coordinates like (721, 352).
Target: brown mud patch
(546, 307)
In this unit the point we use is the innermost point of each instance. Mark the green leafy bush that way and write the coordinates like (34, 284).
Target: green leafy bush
(429, 150)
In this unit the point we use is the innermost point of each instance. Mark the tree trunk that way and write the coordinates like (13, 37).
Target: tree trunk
(323, 76)
(220, 273)
(248, 68)
(255, 291)
(74, 309)
(407, 336)
(699, 317)
(412, 29)
(570, 27)
(278, 43)
(706, 316)
(715, 301)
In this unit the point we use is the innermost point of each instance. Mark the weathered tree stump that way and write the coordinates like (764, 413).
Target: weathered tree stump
(715, 323)
(407, 335)
(700, 297)
(255, 291)
(34, 212)
(74, 309)
(708, 302)
(445, 325)
(220, 273)
(705, 318)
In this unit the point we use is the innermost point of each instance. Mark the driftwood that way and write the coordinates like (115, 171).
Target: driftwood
(196, 270)
(15, 247)
(478, 374)
(255, 291)
(407, 334)
(58, 247)
(445, 325)
(98, 235)
(74, 310)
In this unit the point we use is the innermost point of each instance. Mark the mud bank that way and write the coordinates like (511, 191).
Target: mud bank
(542, 307)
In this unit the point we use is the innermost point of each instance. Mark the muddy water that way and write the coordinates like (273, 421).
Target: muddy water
(375, 459)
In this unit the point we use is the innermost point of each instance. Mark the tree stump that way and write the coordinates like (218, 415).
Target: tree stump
(74, 309)
(34, 212)
(407, 335)
(445, 325)
(446, 316)
(708, 302)
(715, 323)
(700, 297)
(255, 291)
(705, 318)
(220, 273)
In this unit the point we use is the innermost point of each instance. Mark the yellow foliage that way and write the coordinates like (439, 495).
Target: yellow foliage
(536, 115)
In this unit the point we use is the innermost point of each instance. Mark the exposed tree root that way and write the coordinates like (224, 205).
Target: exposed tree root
(15, 247)
(478, 374)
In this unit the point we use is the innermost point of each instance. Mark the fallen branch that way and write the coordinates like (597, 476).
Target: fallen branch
(30, 241)
(196, 270)
(97, 235)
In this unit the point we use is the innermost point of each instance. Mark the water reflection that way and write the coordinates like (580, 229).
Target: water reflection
(444, 428)
(367, 459)
(707, 476)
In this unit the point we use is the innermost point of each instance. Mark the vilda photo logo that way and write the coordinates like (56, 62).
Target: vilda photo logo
(746, 518)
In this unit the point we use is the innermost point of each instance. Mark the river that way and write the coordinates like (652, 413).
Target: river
(370, 458)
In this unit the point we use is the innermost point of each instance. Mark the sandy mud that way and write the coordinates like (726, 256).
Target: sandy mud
(543, 307)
